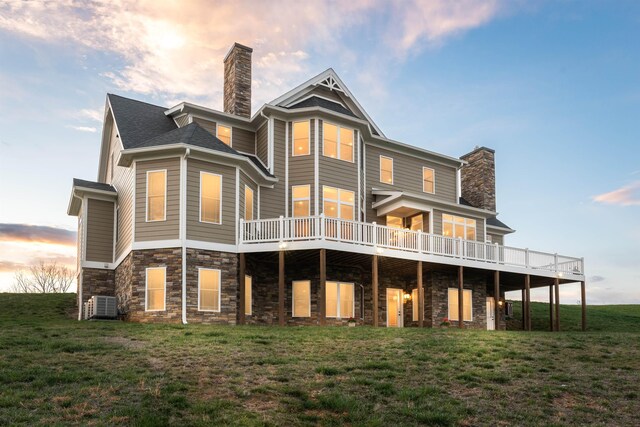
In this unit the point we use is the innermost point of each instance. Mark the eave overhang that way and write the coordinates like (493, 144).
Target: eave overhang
(78, 193)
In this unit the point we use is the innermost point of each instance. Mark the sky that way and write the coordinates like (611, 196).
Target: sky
(552, 86)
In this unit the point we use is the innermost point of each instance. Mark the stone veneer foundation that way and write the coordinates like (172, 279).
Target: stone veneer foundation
(96, 281)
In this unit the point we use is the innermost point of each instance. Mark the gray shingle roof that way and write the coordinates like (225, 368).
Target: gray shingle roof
(139, 121)
(258, 163)
(493, 221)
(315, 101)
(191, 134)
(93, 185)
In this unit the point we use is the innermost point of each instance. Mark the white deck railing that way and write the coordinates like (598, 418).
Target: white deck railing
(281, 230)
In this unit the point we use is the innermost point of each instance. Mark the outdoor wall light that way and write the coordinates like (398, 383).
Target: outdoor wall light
(282, 245)
(407, 297)
(379, 250)
(560, 274)
(500, 303)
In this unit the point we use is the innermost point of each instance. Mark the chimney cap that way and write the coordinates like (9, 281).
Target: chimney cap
(238, 46)
(476, 149)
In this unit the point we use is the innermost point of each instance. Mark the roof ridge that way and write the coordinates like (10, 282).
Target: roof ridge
(137, 100)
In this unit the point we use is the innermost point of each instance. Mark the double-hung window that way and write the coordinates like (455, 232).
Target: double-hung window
(156, 195)
(208, 289)
(156, 280)
(386, 170)
(224, 134)
(248, 203)
(210, 197)
(301, 298)
(428, 180)
(458, 227)
(467, 298)
(340, 300)
(301, 196)
(301, 138)
(337, 142)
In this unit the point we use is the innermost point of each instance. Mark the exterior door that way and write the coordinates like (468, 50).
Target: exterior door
(491, 314)
(394, 308)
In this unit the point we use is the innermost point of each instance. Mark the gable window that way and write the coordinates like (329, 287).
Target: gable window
(208, 289)
(467, 298)
(301, 195)
(156, 195)
(210, 197)
(337, 203)
(415, 305)
(337, 142)
(340, 300)
(248, 285)
(248, 203)
(458, 227)
(301, 138)
(428, 180)
(301, 298)
(224, 134)
(155, 288)
(386, 170)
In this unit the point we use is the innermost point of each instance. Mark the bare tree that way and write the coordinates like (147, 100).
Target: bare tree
(43, 278)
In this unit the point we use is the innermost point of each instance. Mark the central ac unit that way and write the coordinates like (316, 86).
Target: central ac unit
(102, 307)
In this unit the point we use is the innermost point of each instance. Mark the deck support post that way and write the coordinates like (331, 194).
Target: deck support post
(374, 286)
(524, 312)
(527, 291)
(583, 292)
(322, 300)
(242, 287)
(551, 327)
(420, 301)
(496, 296)
(460, 297)
(557, 292)
(281, 288)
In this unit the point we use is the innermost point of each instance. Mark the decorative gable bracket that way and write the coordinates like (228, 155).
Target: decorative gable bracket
(332, 84)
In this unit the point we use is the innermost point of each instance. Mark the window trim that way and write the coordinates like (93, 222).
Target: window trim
(464, 223)
(200, 199)
(293, 138)
(166, 184)
(380, 166)
(433, 175)
(339, 203)
(293, 298)
(146, 289)
(230, 133)
(338, 142)
(294, 200)
(338, 301)
(246, 187)
(219, 289)
(448, 305)
(248, 308)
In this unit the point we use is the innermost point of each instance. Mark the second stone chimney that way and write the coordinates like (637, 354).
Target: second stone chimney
(478, 178)
(237, 81)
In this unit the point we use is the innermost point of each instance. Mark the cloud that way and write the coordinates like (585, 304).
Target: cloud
(595, 279)
(9, 266)
(629, 195)
(174, 49)
(82, 128)
(37, 233)
(96, 115)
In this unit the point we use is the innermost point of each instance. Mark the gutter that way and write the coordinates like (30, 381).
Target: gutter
(183, 230)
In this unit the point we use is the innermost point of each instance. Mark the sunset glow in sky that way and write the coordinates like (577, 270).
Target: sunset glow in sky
(553, 87)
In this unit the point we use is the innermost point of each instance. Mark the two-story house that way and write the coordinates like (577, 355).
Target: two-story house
(302, 213)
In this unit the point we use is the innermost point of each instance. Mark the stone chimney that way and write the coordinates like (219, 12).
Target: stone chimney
(478, 178)
(237, 80)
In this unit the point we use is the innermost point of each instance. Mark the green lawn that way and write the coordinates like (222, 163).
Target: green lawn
(54, 370)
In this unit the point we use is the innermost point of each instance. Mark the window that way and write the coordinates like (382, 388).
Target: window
(156, 288)
(248, 203)
(428, 180)
(210, 198)
(337, 142)
(208, 289)
(394, 221)
(340, 300)
(224, 134)
(156, 195)
(248, 283)
(386, 170)
(301, 200)
(301, 305)
(301, 138)
(337, 203)
(458, 227)
(415, 305)
(466, 304)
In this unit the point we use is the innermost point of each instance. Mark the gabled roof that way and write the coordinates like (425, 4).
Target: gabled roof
(82, 188)
(81, 183)
(495, 222)
(191, 134)
(315, 101)
(138, 121)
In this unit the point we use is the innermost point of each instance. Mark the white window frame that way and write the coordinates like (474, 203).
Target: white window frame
(338, 142)
(246, 187)
(146, 288)
(200, 198)
(339, 202)
(219, 288)
(248, 308)
(166, 184)
(293, 139)
(433, 175)
(470, 291)
(380, 166)
(293, 298)
(230, 133)
(294, 200)
(338, 300)
(464, 223)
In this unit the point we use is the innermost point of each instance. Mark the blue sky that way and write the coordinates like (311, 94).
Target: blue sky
(553, 87)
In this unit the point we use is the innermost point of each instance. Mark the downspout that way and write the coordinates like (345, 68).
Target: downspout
(183, 231)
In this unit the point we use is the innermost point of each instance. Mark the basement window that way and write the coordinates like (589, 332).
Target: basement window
(340, 300)
(208, 289)
(155, 288)
(467, 298)
(248, 298)
(301, 137)
(301, 293)
(224, 134)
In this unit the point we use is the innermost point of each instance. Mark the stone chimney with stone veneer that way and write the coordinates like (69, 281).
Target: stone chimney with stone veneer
(478, 178)
(237, 81)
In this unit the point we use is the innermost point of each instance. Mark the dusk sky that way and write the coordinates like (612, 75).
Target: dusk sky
(553, 87)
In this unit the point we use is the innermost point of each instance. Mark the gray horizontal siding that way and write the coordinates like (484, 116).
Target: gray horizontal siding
(206, 124)
(262, 143)
(243, 140)
(99, 230)
(158, 230)
(272, 199)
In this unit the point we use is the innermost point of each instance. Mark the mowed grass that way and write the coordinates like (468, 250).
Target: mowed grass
(55, 370)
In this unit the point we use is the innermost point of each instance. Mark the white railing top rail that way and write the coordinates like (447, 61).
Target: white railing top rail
(281, 230)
